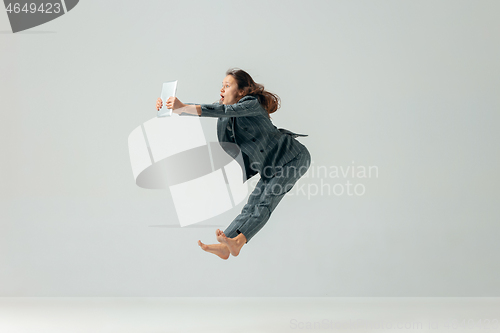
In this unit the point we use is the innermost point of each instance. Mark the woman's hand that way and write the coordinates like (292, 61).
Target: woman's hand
(174, 103)
(159, 104)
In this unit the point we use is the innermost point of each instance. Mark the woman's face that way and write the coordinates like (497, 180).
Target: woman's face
(229, 92)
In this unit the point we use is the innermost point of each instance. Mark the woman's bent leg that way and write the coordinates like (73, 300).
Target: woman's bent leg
(275, 189)
(253, 199)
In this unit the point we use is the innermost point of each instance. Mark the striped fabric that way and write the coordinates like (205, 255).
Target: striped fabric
(246, 123)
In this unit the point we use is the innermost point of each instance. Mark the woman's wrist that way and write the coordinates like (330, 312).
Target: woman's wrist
(191, 109)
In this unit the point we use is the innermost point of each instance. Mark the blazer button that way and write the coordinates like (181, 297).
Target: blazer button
(246, 129)
(253, 139)
(261, 151)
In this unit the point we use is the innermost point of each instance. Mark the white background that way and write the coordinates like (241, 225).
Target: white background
(411, 87)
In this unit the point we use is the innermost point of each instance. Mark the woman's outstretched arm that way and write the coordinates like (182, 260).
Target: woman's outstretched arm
(245, 107)
(190, 109)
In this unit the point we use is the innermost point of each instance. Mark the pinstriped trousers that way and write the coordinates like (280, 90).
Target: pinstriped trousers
(267, 194)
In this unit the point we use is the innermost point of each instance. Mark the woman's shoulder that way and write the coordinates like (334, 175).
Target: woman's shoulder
(247, 98)
(252, 102)
(249, 102)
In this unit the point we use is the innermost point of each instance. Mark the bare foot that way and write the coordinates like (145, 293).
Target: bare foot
(233, 244)
(219, 249)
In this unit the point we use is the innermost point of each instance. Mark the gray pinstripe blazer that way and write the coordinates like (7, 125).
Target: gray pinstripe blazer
(264, 146)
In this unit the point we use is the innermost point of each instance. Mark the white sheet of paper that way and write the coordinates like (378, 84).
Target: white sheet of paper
(169, 88)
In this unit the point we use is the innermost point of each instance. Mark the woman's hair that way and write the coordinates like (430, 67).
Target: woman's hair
(269, 101)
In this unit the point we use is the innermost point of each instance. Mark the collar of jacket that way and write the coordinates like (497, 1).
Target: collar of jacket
(282, 130)
(247, 97)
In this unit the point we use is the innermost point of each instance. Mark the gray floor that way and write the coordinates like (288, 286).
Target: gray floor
(124, 315)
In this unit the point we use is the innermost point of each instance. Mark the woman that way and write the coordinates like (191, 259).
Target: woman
(244, 119)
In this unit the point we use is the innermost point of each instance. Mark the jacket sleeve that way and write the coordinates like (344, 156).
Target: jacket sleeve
(246, 107)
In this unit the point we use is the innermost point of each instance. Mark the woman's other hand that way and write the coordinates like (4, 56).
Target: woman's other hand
(174, 103)
(159, 104)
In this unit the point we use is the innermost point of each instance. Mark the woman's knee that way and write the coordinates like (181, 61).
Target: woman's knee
(280, 189)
